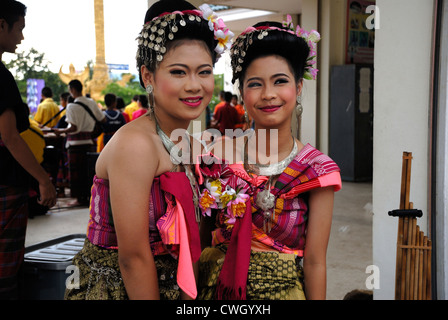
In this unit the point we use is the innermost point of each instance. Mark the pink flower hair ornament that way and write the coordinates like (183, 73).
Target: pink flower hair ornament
(311, 38)
(244, 40)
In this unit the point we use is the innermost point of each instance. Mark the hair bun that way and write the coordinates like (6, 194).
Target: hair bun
(269, 38)
(162, 6)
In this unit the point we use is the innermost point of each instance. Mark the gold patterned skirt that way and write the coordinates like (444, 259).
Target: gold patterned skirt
(271, 275)
(100, 277)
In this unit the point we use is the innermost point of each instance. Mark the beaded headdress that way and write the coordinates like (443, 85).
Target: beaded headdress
(246, 38)
(156, 32)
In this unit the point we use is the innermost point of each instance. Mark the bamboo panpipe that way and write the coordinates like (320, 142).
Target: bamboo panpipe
(413, 265)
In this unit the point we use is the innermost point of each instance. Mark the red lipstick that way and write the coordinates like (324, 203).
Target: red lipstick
(192, 101)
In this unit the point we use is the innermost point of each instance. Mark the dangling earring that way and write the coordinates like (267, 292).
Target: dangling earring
(149, 89)
(299, 111)
(299, 107)
(245, 118)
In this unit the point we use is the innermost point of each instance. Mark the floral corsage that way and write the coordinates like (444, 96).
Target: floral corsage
(221, 189)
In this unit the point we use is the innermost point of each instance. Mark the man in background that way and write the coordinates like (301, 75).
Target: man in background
(47, 110)
(79, 141)
(18, 165)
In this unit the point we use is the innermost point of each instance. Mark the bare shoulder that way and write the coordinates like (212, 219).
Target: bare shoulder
(133, 148)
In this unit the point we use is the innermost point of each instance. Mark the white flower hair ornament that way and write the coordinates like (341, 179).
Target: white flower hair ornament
(222, 33)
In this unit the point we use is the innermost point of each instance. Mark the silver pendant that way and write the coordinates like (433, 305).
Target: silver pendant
(266, 201)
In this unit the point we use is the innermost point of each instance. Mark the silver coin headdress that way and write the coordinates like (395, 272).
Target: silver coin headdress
(152, 40)
(243, 42)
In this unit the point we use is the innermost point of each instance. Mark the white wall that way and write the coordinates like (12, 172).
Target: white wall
(308, 132)
(402, 96)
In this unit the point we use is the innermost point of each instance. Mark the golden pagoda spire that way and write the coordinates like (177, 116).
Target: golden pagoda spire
(100, 77)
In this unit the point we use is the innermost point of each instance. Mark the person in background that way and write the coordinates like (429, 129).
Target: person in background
(62, 180)
(34, 138)
(47, 109)
(132, 107)
(114, 118)
(79, 141)
(120, 107)
(222, 101)
(242, 122)
(64, 99)
(143, 107)
(226, 117)
(18, 165)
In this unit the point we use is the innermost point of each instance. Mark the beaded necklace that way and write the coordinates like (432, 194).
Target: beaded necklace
(169, 146)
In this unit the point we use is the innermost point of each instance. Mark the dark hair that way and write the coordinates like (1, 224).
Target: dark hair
(11, 10)
(284, 44)
(228, 96)
(76, 84)
(120, 103)
(47, 92)
(194, 30)
(144, 101)
(64, 96)
(109, 99)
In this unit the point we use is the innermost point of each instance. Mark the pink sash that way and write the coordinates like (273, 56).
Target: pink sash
(179, 230)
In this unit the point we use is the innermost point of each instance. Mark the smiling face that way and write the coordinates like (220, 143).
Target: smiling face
(11, 37)
(183, 82)
(270, 92)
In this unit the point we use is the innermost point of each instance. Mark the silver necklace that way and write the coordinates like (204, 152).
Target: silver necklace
(265, 199)
(169, 146)
(270, 169)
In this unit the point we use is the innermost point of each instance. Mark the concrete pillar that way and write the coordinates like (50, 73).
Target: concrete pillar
(308, 133)
(332, 26)
(441, 205)
(402, 97)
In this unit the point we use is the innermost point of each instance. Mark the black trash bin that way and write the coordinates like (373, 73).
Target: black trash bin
(43, 275)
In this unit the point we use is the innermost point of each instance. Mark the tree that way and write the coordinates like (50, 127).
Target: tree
(132, 88)
(33, 65)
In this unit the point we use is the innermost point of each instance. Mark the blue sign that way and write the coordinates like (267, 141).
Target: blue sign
(118, 66)
(33, 91)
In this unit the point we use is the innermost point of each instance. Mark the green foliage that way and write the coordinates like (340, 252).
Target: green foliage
(33, 65)
(132, 88)
(219, 85)
(215, 100)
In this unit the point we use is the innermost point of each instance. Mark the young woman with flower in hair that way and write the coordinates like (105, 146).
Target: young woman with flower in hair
(143, 238)
(273, 208)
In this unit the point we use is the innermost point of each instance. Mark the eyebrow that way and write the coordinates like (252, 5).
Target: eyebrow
(187, 67)
(272, 77)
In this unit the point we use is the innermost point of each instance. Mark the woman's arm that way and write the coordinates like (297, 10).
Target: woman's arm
(23, 155)
(318, 233)
(131, 165)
